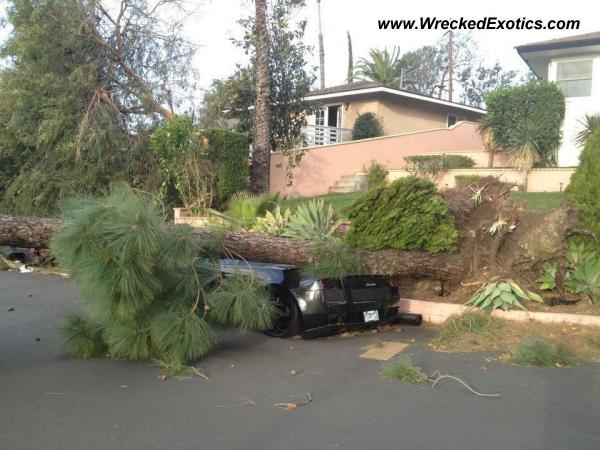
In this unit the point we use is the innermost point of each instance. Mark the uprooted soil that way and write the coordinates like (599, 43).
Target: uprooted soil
(516, 252)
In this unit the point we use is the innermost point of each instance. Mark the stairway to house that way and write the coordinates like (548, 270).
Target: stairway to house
(350, 183)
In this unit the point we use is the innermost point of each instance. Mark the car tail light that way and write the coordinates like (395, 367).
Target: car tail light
(330, 283)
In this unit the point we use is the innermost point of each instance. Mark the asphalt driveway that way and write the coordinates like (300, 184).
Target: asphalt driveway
(50, 401)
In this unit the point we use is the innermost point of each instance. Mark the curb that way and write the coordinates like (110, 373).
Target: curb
(438, 312)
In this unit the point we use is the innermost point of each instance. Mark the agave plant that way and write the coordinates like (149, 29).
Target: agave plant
(502, 295)
(497, 226)
(477, 196)
(547, 281)
(314, 221)
(274, 223)
(585, 279)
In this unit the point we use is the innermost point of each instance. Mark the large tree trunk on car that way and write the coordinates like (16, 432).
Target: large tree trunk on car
(35, 232)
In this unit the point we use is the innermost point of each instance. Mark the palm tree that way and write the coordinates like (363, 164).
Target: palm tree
(487, 136)
(381, 67)
(321, 49)
(261, 153)
(526, 154)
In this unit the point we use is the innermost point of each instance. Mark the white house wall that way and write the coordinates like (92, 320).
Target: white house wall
(576, 109)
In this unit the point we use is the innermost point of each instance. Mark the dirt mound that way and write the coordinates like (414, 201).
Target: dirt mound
(500, 239)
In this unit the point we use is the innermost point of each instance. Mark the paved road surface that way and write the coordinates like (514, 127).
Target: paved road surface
(50, 401)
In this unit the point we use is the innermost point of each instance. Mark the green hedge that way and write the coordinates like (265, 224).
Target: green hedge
(406, 215)
(466, 180)
(229, 153)
(584, 188)
(434, 164)
(533, 111)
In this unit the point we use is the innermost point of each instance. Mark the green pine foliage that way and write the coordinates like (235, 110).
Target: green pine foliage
(584, 188)
(406, 215)
(57, 138)
(144, 295)
(335, 260)
(83, 338)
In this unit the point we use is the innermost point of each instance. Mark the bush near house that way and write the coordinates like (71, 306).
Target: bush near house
(366, 126)
(532, 112)
(432, 165)
(406, 215)
(584, 188)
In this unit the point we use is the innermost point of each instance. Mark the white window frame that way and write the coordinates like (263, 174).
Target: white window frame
(558, 61)
(457, 117)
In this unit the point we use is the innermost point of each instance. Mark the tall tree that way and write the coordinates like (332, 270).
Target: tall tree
(321, 47)
(290, 78)
(261, 151)
(350, 75)
(72, 119)
(381, 66)
(476, 84)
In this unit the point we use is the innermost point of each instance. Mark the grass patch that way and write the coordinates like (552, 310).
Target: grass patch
(469, 332)
(338, 201)
(519, 342)
(403, 370)
(541, 202)
(533, 351)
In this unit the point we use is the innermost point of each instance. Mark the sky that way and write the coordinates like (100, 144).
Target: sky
(215, 23)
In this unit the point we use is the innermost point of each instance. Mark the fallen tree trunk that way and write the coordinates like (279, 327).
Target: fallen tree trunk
(35, 232)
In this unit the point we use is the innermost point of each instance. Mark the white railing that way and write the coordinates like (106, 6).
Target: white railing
(322, 135)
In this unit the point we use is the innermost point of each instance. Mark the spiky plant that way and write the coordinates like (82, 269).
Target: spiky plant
(144, 295)
(588, 124)
(274, 223)
(243, 209)
(314, 221)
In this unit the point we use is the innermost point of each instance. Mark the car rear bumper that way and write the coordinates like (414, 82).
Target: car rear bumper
(388, 315)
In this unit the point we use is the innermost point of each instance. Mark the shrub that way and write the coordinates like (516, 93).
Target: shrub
(432, 165)
(184, 163)
(376, 174)
(539, 353)
(466, 180)
(406, 215)
(312, 220)
(366, 126)
(532, 113)
(584, 188)
(229, 153)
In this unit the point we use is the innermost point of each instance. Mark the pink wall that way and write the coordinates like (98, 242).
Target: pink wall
(322, 167)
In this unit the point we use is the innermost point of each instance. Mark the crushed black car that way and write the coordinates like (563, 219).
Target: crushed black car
(315, 307)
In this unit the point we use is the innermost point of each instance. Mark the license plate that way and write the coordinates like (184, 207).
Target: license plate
(371, 316)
